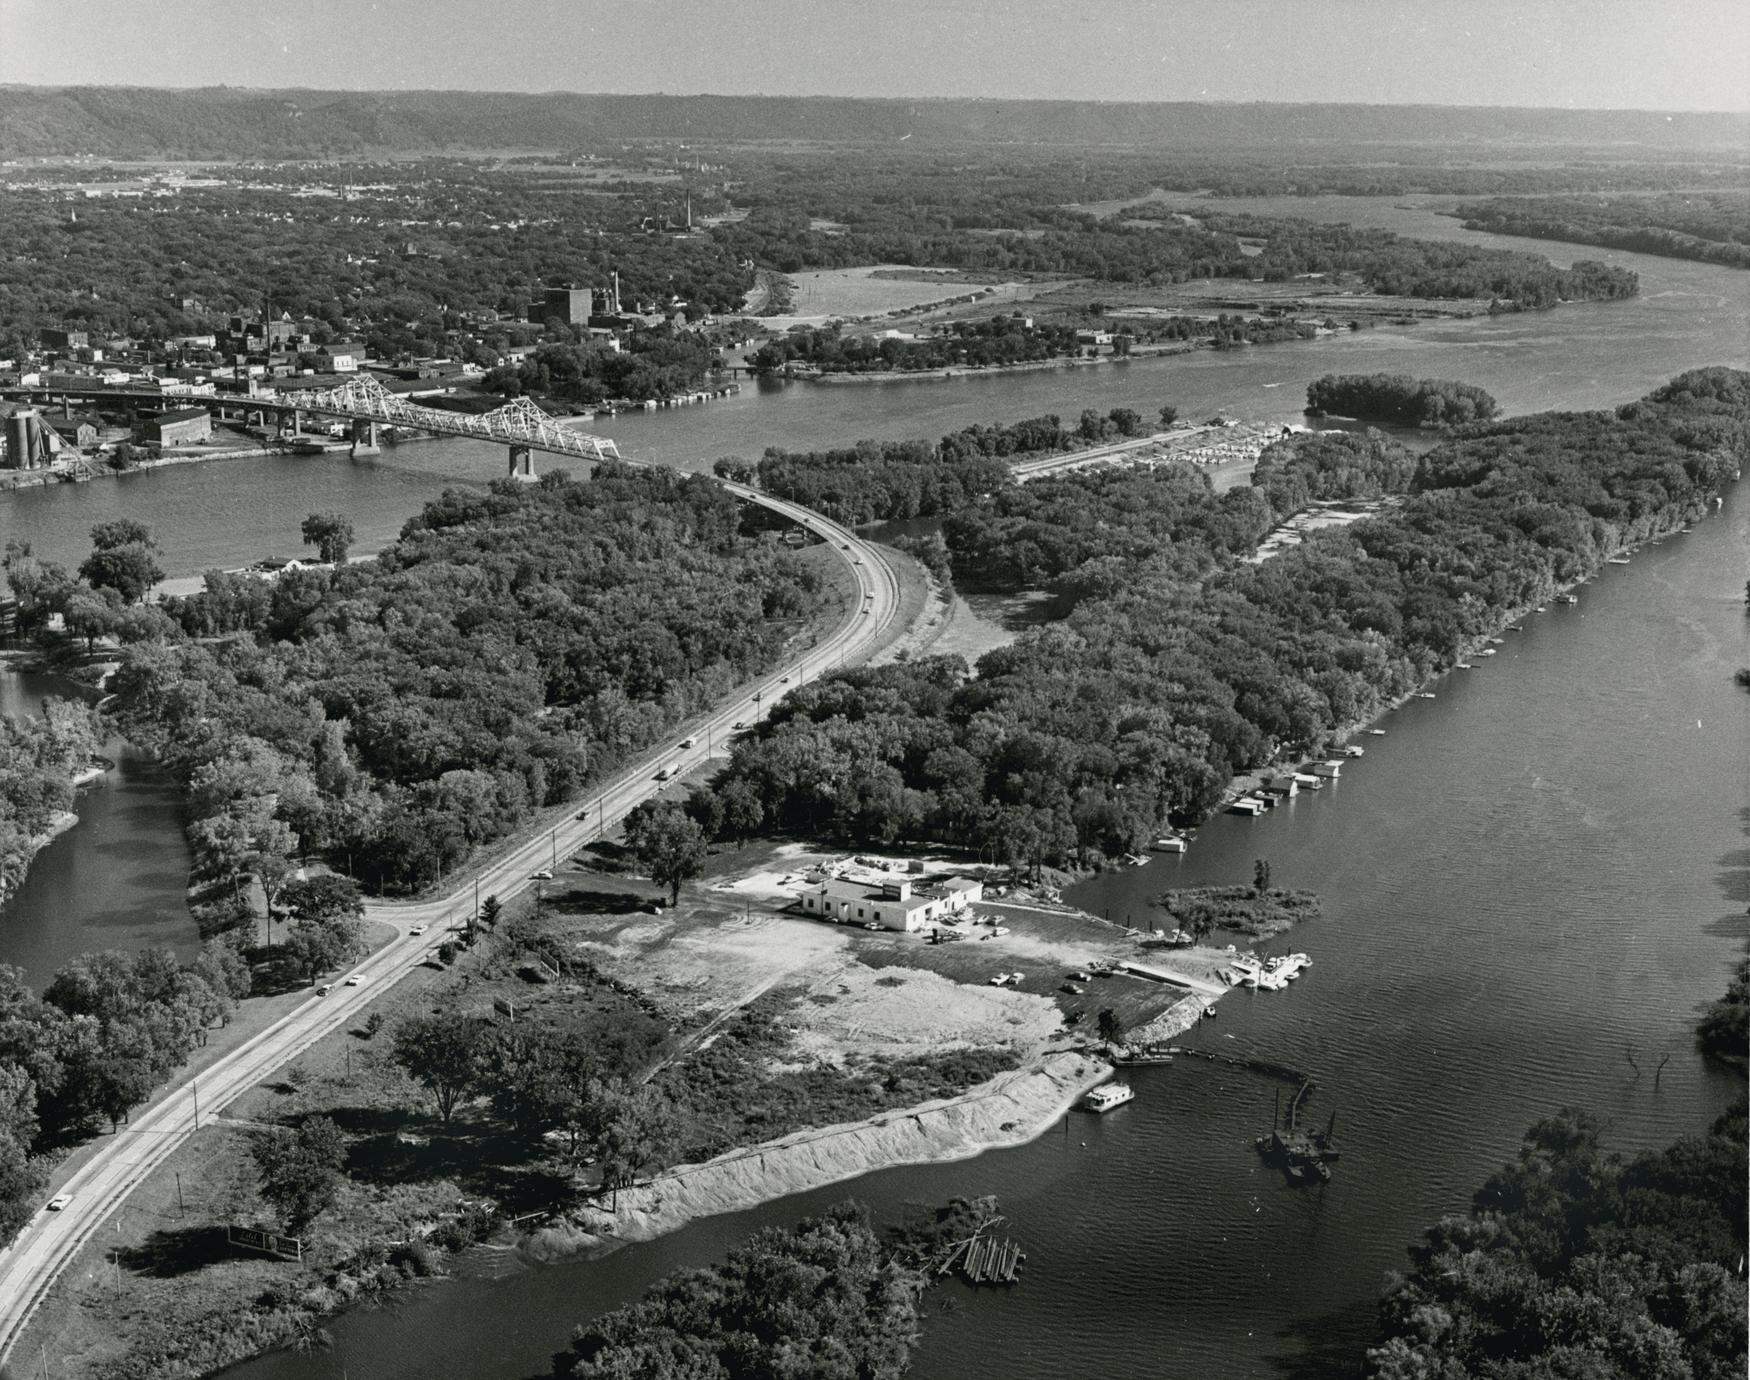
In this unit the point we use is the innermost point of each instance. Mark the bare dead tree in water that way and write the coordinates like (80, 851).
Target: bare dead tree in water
(1660, 1070)
(1628, 1052)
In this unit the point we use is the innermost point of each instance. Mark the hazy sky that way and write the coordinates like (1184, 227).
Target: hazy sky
(1648, 54)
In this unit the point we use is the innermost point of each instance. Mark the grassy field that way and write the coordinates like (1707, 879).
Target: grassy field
(874, 290)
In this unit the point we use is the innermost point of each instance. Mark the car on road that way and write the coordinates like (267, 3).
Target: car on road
(871, 925)
(688, 742)
(856, 560)
(783, 680)
(739, 723)
(353, 979)
(544, 875)
(59, 1201)
(844, 546)
(417, 929)
(325, 989)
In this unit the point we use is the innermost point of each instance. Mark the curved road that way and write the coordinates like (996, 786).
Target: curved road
(30, 1266)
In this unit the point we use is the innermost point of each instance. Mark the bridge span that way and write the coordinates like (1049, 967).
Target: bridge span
(519, 425)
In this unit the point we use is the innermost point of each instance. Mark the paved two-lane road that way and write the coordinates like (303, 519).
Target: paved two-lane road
(44, 1248)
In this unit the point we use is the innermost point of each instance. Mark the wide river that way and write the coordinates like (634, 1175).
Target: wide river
(1540, 870)
(232, 513)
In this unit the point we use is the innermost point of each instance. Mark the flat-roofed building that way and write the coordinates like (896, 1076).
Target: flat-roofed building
(180, 426)
(895, 905)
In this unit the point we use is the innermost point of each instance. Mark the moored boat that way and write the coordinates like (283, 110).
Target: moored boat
(1107, 1096)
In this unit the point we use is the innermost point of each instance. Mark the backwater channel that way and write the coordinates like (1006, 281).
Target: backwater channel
(1541, 868)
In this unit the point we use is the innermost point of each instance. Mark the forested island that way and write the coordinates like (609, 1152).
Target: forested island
(1399, 400)
(40, 761)
(881, 481)
(1183, 664)
(832, 1296)
(1042, 239)
(998, 341)
(1573, 1261)
(512, 645)
(1712, 227)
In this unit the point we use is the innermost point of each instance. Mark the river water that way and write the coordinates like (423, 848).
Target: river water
(1542, 869)
(231, 513)
(114, 881)
(1529, 875)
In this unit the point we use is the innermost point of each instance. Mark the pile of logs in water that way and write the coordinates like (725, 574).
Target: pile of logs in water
(984, 1260)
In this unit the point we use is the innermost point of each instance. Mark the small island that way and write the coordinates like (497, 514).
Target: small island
(1399, 400)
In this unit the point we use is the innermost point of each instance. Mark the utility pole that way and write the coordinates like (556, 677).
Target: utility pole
(182, 1207)
(554, 839)
(197, 1105)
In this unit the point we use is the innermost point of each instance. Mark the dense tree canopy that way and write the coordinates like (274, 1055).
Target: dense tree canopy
(39, 757)
(109, 1028)
(1711, 226)
(1573, 1263)
(1399, 399)
(1183, 663)
(885, 480)
(824, 1301)
(512, 644)
(1332, 466)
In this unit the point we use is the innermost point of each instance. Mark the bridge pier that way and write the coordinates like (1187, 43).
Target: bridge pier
(521, 465)
(291, 423)
(364, 438)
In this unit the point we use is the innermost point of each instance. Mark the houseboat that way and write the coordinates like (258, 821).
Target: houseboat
(1107, 1096)
(1170, 843)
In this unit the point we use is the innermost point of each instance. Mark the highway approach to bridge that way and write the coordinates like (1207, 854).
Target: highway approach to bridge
(31, 1265)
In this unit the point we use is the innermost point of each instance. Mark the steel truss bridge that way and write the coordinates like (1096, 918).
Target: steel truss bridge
(519, 424)
(364, 402)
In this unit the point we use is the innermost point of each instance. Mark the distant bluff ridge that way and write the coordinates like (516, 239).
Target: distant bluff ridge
(227, 122)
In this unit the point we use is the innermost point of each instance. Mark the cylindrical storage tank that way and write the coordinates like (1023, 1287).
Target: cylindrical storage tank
(18, 440)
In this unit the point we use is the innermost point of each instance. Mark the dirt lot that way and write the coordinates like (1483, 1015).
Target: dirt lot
(855, 991)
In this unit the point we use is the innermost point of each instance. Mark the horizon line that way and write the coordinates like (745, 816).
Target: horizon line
(1236, 103)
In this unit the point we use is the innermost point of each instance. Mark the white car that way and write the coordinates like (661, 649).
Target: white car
(688, 742)
(353, 980)
(59, 1201)
(417, 929)
(544, 875)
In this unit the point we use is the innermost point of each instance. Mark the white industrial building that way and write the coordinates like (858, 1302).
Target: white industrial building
(892, 905)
